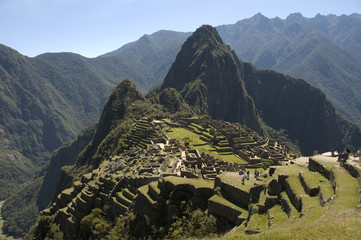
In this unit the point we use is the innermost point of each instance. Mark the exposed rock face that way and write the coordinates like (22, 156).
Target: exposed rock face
(206, 74)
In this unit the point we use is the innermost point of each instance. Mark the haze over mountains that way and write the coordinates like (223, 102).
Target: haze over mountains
(49, 99)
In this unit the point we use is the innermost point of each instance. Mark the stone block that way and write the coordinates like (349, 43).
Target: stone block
(274, 187)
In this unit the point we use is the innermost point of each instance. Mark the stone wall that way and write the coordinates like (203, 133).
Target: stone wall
(220, 209)
(233, 194)
(314, 166)
(295, 200)
(312, 191)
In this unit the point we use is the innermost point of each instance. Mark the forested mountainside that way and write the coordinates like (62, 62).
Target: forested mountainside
(45, 101)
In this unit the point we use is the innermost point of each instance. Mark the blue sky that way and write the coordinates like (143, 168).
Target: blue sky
(95, 27)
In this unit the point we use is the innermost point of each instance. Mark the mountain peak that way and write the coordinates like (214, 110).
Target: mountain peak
(201, 47)
(295, 17)
(206, 32)
(206, 73)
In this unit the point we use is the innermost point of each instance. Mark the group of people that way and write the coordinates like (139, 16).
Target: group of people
(342, 158)
(245, 175)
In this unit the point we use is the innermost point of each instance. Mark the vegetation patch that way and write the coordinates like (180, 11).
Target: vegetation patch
(258, 222)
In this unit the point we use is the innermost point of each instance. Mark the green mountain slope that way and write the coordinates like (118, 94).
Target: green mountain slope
(46, 101)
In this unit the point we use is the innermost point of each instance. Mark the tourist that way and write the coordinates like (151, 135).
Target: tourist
(243, 178)
(332, 152)
(359, 156)
(342, 158)
(255, 173)
(248, 175)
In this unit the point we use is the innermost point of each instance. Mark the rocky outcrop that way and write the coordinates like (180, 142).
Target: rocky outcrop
(274, 188)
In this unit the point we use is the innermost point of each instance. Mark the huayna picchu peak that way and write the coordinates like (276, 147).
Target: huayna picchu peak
(212, 152)
(206, 74)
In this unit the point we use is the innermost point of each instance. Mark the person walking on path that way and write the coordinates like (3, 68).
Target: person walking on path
(243, 178)
(359, 156)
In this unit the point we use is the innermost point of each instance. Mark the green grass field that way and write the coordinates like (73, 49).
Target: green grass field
(202, 146)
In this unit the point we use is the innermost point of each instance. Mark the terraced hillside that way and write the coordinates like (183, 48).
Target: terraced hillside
(165, 184)
(319, 201)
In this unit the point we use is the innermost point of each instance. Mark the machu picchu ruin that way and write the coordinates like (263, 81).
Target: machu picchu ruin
(163, 171)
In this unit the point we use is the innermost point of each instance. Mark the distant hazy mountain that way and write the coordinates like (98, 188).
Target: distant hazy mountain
(150, 56)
